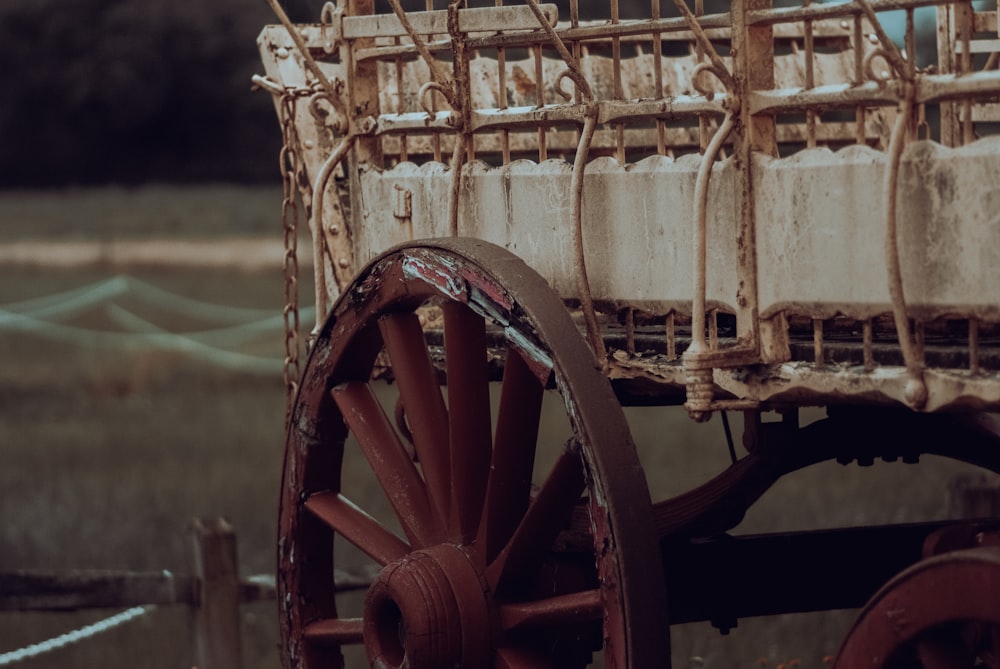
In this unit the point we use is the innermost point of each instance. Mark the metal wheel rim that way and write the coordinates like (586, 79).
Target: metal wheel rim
(923, 610)
(494, 283)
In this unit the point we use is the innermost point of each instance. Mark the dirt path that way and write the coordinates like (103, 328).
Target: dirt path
(243, 254)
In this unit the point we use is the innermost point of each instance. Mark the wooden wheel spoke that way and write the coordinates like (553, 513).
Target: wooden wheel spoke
(579, 607)
(508, 492)
(513, 657)
(423, 404)
(469, 416)
(473, 554)
(334, 632)
(357, 527)
(389, 461)
(547, 515)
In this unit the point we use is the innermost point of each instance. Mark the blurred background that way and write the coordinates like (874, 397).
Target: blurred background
(111, 91)
(141, 291)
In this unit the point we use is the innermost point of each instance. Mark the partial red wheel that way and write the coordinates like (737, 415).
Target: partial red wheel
(942, 613)
(491, 546)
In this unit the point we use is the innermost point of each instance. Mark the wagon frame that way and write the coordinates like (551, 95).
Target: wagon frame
(803, 242)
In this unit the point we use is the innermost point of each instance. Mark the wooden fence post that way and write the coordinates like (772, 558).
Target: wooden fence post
(217, 607)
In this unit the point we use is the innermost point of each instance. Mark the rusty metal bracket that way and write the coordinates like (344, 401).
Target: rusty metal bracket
(300, 44)
(331, 20)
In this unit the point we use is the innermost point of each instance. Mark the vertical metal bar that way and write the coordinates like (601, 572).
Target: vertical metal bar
(860, 121)
(810, 48)
(401, 104)
(818, 342)
(946, 65)
(671, 333)
(543, 152)
(974, 345)
(363, 91)
(699, 9)
(661, 127)
(435, 137)
(703, 120)
(616, 59)
(963, 12)
(753, 69)
(866, 343)
(910, 43)
(502, 96)
(630, 331)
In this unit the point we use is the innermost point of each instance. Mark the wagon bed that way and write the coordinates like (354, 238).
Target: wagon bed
(759, 210)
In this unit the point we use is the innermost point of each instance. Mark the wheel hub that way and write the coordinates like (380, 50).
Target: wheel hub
(430, 609)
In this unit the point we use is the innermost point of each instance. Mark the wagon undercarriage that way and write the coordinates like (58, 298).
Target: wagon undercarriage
(517, 210)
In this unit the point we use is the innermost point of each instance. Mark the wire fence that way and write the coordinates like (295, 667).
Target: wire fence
(221, 331)
(77, 635)
(213, 592)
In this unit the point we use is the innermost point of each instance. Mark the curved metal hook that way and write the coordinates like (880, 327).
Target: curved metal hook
(328, 16)
(425, 89)
(701, 69)
(883, 76)
(338, 122)
(563, 93)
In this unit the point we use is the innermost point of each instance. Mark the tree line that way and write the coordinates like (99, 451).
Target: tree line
(118, 91)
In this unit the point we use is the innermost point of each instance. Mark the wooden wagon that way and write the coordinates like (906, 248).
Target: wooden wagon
(755, 210)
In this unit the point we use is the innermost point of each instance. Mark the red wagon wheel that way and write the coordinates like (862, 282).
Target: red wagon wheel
(484, 560)
(941, 613)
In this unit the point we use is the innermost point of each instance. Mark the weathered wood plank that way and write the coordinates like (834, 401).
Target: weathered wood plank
(217, 616)
(36, 591)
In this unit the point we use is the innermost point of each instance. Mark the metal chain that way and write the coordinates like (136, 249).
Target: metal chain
(289, 161)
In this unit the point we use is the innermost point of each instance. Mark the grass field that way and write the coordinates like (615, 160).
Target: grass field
(109, 452)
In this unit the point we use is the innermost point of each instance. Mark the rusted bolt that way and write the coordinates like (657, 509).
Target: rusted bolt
(282, 52)
(344, 262)
(334, 229)
(309, 144)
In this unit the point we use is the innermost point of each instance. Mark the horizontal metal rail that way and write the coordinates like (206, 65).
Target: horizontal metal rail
(512, 118)
(929, 88)
(816, 12)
